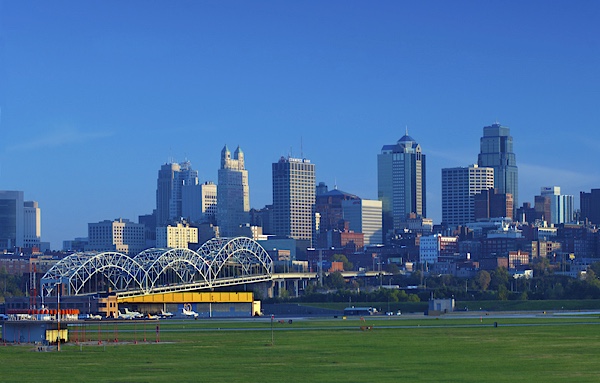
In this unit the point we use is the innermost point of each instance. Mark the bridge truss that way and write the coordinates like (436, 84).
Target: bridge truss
(218, 262)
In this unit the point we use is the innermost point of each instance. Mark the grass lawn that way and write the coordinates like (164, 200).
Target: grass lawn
(544, 349)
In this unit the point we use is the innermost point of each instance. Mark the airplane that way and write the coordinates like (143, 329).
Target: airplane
(189, 313)
(129, 314)
(152, 317)
(165, 314)
(135, 314)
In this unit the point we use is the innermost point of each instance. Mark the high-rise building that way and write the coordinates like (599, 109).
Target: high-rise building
(364, 216)
(20, 221)
(459, 187)
(233, 193)
(561, 206)
(542, 205)
(32, 233)
(119, 235)
(294, 187)
(328, 206)
(167, 176)
(11, 219)
(490, 203)
(497, 152)
(589, 204)
(185, 176)
(401, 182)
(172, 178)
(199, 202)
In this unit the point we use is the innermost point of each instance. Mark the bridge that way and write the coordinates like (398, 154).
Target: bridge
(217, 263)
(220, 262)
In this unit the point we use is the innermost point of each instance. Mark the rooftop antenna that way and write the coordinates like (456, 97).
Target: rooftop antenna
(406, 130)
(301, 148)
(170, 158)
(335, 183)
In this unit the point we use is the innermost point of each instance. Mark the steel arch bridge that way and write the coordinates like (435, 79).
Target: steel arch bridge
(218, 262)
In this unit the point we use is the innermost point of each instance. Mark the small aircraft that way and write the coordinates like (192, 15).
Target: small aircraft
(152, 317)
(189, 313)
(165, 314)
(129, 314)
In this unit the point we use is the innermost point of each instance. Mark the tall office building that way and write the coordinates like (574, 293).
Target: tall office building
(233, 193)
(172, 179)
(32, 233)
(185, 176)
(589, 204)
(459, 186)
(294, 187)
(491, 204)
(561, 206)
(497, 152)
(364, 216)
(199, 202)
(11, 219)
(401, 182)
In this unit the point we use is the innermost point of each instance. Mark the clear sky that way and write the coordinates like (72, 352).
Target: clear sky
(96, 95)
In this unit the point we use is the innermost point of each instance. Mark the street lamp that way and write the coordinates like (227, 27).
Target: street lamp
(58, 286)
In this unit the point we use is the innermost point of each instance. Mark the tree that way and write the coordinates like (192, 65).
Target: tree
(342, 258)
(413, 298)
(483, 279)
(499, 277)
(335, 280)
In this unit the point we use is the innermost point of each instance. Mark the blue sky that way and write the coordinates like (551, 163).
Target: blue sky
(96, 95)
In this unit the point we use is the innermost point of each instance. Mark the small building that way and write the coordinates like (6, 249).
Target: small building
(440, 306)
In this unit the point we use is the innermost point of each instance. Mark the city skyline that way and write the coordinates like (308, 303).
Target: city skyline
(95, 97)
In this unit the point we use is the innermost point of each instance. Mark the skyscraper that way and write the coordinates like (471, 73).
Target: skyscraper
(233, 193)
(294, 187)
(364, 216)
(589, 204)
(172, 177)
(561, 206)
(497, 152)
(199, 202)
(20, 221)
(401, 182)
(11, 219)
(459, 186)
(32, 217)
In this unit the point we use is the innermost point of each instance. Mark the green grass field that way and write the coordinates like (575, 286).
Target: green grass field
(544, 348)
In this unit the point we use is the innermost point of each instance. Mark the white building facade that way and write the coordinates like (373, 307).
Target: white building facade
(176, 236)
(32, 217)
(294, 188)
(561, 206)
(365, 216)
